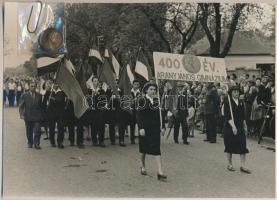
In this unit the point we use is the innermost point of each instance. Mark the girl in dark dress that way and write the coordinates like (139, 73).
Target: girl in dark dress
(148, 118)
(234, 130)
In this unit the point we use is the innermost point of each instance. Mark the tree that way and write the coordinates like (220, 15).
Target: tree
(217, 19)
(176, 25)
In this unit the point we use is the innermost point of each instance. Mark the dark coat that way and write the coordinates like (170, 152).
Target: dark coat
(235, 144)
(212, 105)
(148, 118)
(56, 106)
(134, 103)
(30, 108)
(182, 108)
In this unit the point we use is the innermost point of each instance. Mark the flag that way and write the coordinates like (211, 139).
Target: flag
(142, 69)
(106, 75)
(47, 64)
(94, 53)
(112, 59)
(81, 77)
(68, 83)
(125, 80)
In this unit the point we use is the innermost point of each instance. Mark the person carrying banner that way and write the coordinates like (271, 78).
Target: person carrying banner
(30, 109)
(234, 129)
(148, 118)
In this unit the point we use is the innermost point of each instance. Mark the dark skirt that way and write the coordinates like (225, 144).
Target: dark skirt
(234, 144)
(151, 142)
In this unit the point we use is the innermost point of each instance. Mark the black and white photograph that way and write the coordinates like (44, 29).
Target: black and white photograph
(170, 99)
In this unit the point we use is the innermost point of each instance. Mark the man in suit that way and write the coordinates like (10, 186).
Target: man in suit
(71, 122)
(30, 109)
(97, 116)
(212, 110)
(56, 111)
(181, 113)
(135, 93)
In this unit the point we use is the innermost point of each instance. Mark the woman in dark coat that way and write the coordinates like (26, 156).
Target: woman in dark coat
(234, 130)
(148, 117)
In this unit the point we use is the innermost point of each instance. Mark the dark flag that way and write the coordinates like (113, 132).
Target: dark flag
(125, 80)
(68, 83)
(142, 69)
(81, 77)
(107, 75)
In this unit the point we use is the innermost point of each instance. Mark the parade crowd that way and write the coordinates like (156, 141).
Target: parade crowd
(45, 108)
(203, 109)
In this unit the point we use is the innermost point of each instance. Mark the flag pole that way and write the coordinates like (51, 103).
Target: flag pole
(55, 79)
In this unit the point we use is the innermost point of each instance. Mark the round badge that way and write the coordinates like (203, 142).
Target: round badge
(191, 63)
(51, 40)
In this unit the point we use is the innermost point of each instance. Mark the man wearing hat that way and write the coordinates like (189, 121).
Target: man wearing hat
(212, 109)
(181, 113)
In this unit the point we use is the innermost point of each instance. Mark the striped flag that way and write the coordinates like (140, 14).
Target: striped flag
(71, 87)
(106, 75)
(47, 64)
(94, 53)
(115, 64)
(126, 79)
(142, 69)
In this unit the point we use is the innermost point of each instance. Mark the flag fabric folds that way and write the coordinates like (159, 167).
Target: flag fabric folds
(47, 65)
(112, 59)
(125, 80)
(71, 87)
(94, 53)
(142, 69)
(107, 75)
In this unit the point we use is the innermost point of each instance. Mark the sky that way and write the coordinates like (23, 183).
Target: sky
(13, 56)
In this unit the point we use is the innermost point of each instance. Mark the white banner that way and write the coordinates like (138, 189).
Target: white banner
(189, 67)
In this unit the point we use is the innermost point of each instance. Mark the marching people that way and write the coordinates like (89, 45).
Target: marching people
(97, 123)
(72, 122)
(190, 118)
(181, 113)
(112, 113)
(45, 92)
(11, 93)
(148, 118)
(18, 92)
(211, 112)
(30, 109)
(234, 129)
(135, 92)
(55, 112)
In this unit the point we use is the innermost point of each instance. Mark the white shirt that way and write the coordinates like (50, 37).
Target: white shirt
(135, 91)
(191, 112)
(19, 88)
(236, 101)
(11, 86)
(150, 99)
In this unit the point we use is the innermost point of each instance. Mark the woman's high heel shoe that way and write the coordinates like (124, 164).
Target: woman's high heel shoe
(161, 177)
(143, 171)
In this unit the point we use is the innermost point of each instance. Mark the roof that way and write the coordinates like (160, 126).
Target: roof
(244, 43)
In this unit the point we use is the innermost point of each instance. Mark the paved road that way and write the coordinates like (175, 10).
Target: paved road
(197, 170)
